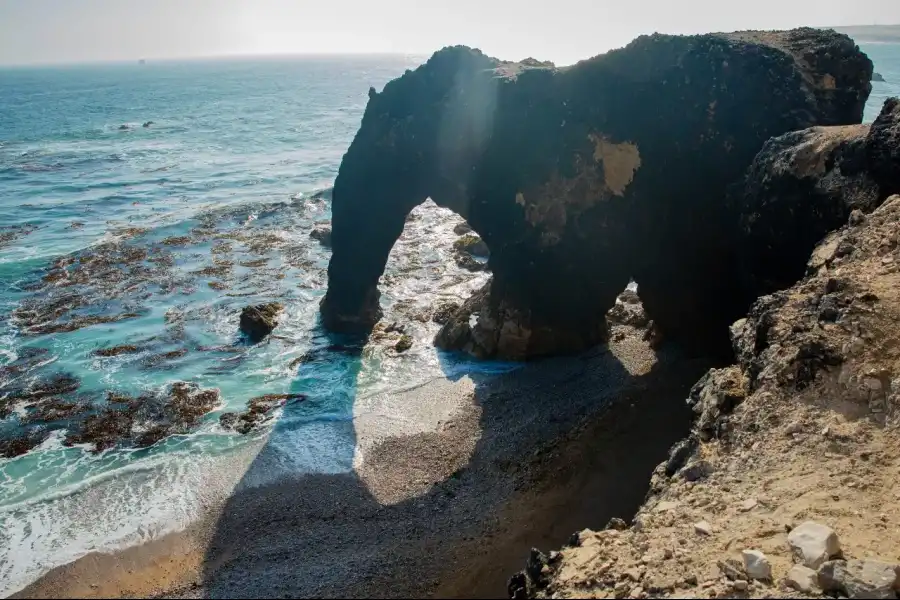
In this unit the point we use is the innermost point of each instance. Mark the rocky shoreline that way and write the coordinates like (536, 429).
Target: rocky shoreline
(444, 512)
(728, 175)
(786, 486)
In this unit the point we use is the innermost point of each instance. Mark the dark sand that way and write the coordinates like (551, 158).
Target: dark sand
(524, 459)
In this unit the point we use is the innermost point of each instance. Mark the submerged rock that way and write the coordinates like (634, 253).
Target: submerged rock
(445, 312)
(258, 321)
(117, 350)
(582, 178)
(404, 343)
(259, 411)
(878, 77)
(321, 233)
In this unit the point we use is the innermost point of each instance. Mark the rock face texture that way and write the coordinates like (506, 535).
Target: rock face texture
(581, 178)
(258, 321)
(804, 184)
(798, 443)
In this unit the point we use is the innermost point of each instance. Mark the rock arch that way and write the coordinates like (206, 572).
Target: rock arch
(580, 178)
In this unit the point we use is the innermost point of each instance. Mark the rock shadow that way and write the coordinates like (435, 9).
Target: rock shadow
(531, 456)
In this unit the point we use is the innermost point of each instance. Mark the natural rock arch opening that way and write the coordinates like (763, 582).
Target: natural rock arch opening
(581, 178)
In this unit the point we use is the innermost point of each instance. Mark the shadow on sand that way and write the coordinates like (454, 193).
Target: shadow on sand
(529, 457)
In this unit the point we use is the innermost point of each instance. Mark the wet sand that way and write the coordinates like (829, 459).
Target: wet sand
(515, 460)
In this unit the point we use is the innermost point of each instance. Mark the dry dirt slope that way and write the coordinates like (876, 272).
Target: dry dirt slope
(804, 428)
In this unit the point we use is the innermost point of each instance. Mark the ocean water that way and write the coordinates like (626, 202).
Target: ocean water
(112, 234)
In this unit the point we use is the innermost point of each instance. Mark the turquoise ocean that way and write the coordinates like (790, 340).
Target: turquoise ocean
(113, 234)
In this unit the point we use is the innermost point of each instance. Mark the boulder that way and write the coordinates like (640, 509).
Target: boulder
(878, 77)
(866, 578)
(801, 578)
(444, 312)
(584, 177)
(258, 321)
(813, 543)
(404, 343)
(756, 565)
(869, 578)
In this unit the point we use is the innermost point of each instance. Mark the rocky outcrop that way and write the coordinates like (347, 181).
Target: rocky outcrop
(258, 321)
(878, 77)
(785, 486)
(581, 178)
(803, 185)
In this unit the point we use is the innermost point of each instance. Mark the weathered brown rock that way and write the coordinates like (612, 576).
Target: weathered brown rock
(580, 178)
(805, 184)
(258, 321)
(259, 410)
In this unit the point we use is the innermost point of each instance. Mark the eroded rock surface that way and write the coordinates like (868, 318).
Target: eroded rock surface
(581, 178)
(798, 443)
(258, 321)
(805, 184)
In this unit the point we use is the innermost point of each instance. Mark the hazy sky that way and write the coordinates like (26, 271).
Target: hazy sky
(559, 30)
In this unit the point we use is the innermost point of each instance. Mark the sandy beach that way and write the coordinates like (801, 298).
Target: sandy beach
(515, 460)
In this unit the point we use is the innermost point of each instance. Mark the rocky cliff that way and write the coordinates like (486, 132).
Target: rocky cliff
(579, 179)
(787, 486)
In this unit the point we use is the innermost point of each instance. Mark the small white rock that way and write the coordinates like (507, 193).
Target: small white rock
(747, 505)
(740, 585)
(757, 565)
(801, 578)
(703, 528)
(813, 543)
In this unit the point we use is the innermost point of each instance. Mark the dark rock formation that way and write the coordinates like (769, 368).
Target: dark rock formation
(259, 410)
(148, 123)
(579, 179)
(143, 420)
(878, 77)
(805, 184)
(403, 344)
(258, 321)
(444, 312)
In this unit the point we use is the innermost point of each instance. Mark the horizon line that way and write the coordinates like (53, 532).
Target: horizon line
(204, 57)
(297, 54)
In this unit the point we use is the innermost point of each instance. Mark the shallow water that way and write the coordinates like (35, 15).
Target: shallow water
(173, 228)
(161, 234)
